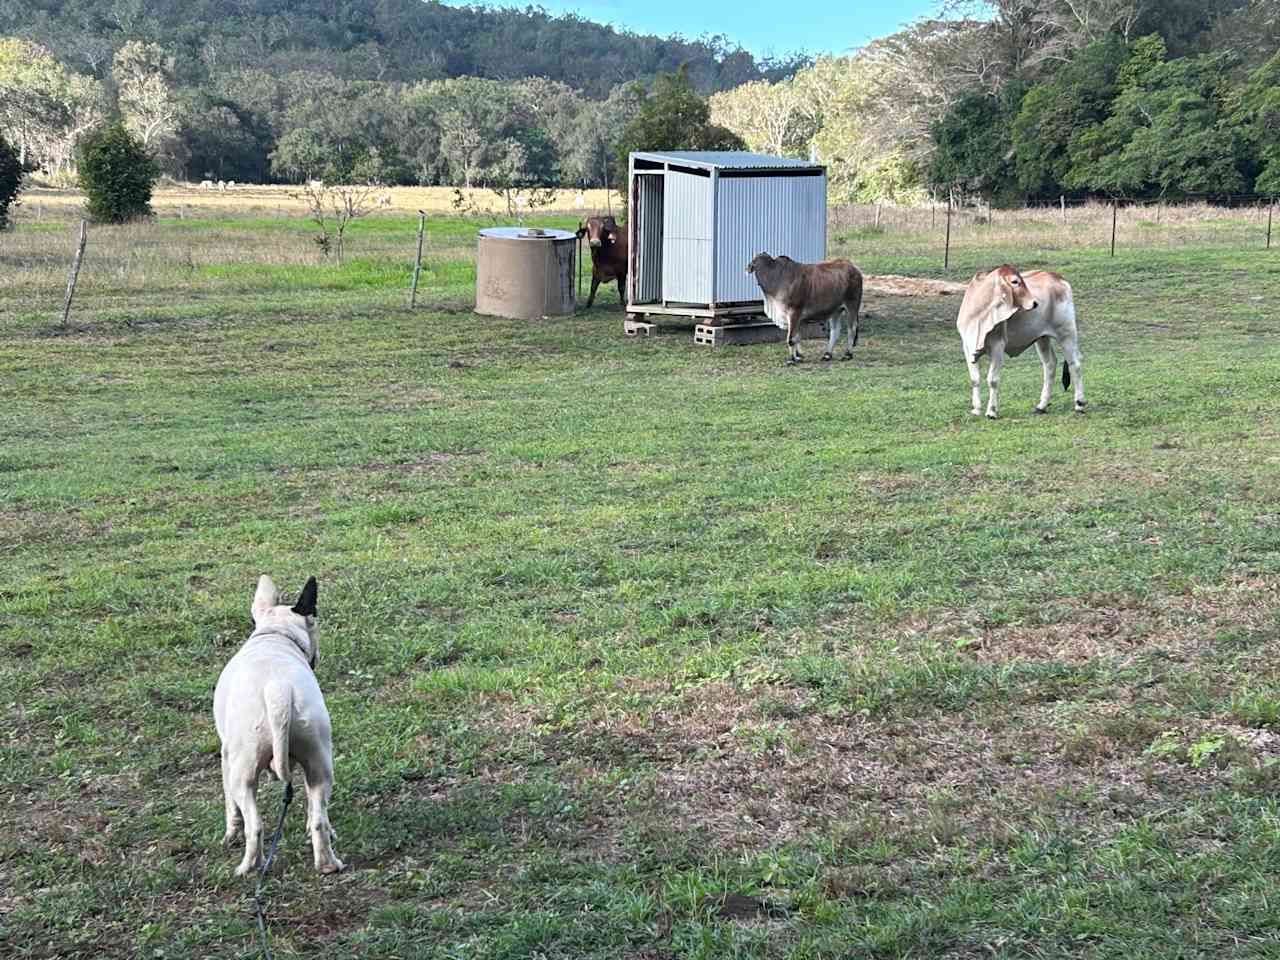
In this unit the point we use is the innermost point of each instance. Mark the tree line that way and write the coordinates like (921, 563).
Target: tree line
(1010, 100)
(1029, 100)
(284, 90)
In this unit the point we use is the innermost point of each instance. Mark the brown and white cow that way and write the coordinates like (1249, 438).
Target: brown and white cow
(795, 292)
(1002, 314)
(608, 254)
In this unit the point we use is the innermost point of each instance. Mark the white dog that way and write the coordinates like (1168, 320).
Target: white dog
(270, 713)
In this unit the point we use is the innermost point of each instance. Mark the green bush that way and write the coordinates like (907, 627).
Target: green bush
(117, 175)
(10, 181)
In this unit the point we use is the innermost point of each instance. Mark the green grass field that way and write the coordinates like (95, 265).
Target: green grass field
(636, 649)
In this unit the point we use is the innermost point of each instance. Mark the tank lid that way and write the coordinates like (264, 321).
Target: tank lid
(526, 233)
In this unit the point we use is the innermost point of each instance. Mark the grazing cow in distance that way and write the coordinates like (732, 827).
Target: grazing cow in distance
(608, 245)
(1002, 314)
(795, 292)
(206, 184)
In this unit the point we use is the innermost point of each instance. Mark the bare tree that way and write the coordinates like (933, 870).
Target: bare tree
(462, 144)
(333, 207)
(144, 75)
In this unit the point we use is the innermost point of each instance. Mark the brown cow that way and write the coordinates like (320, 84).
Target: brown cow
(794, 292)
(608, 254)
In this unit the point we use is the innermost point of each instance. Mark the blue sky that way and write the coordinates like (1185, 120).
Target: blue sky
(761, 28)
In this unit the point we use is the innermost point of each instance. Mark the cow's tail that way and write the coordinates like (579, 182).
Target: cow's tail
(853, 318)
(279, 703)
(1066, 376)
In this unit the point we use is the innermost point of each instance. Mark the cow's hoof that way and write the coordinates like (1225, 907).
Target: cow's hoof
(1040, 411)
(826, 357)
(790, 362)
(847, 356)
(1079, 408)
(991, 416)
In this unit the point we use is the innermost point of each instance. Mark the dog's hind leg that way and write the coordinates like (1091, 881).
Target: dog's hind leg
(234, 821)
(317, 769)
(244, 785)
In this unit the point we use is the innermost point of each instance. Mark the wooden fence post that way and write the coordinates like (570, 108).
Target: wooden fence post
(946, 254)
(417, 263)
(578, 295)
(75, 271)
(1062, 200)
(1270, 208)
(1114, 207)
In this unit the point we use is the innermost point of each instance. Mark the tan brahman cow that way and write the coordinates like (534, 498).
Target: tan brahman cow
(1002, 314)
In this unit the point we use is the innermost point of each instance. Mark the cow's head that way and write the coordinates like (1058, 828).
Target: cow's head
(759, 260)
(599, 231)
(1011, 291)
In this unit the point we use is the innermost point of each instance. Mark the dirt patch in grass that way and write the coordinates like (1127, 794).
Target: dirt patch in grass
(25, 527)
(424, 464)
(899, 286)
(713, 765)
(1118, 628)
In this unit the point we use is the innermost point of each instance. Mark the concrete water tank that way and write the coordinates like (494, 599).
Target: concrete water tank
(525, 273)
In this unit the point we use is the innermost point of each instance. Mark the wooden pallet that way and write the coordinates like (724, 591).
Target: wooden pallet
(759, 332)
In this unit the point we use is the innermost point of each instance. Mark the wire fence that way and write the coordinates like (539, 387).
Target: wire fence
(251, 242)
(1241, 221)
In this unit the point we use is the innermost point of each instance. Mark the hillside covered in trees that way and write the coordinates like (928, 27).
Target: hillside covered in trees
(1028, 100)
(1012, 100)
(258, 90)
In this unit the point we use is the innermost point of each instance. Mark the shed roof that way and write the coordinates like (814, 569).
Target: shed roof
(728, 160)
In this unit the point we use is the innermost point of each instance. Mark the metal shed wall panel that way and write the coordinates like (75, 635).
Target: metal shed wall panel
(649, 217)
(781, 215)
(686, 238)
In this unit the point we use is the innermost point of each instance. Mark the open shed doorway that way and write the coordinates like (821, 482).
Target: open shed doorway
(649, 191)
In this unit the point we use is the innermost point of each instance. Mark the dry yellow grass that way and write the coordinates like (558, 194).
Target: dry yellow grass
(39, 203)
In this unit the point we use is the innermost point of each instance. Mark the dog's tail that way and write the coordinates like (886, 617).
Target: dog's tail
(279, 713)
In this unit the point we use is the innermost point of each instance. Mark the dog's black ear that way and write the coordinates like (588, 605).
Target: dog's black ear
(306, 605)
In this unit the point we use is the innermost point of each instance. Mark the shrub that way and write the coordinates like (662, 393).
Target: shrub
(10, 181)
(117, 175)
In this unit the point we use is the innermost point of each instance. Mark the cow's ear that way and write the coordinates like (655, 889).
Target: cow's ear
(1003, 305)
(306, 605)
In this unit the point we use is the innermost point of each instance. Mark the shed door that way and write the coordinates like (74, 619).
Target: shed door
(686, 238)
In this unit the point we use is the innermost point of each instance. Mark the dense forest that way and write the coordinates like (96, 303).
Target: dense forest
(260, 90)
(1030, 100)
(388, 40)
(1011, 100)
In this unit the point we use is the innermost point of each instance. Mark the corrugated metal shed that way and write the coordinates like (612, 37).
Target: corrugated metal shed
(698, 217)
(729, 160)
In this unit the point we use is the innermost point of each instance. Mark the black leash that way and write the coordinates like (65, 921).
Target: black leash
(266, 865)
